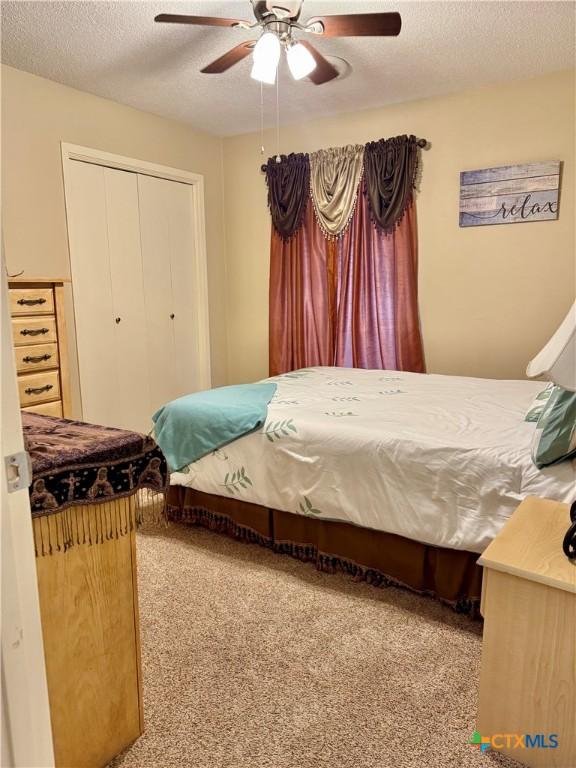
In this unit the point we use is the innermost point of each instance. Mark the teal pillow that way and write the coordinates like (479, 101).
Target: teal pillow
(555, 436)
(194, 425)
(539, 403)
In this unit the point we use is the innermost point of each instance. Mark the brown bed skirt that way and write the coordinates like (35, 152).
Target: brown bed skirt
(379, 558)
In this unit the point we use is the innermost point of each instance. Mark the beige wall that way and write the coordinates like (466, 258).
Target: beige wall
(489, 296)
(38, 114)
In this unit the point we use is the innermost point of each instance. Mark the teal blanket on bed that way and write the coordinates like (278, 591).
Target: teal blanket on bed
(192, 426)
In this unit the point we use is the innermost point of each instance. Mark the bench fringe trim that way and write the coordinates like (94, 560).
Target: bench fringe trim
(97, 522)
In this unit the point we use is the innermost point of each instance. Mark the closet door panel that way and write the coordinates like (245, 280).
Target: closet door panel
(154, 198)
(182, 258)
(128, 300)
(93, 304)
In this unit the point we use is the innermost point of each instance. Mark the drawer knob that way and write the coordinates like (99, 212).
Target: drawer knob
(35, 358)
(569, 543)
(172, 316)
(38, 390)
(34, 331)
(118, 320)
(30, 302)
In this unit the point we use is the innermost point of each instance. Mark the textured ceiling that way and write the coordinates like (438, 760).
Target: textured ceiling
(115, 50)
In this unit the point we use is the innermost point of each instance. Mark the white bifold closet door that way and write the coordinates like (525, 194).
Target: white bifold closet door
(168, 260)
(133, 272)
(104, 235)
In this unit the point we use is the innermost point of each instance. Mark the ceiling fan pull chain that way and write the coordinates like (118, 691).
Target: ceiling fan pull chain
(262, 118)
(278, 158)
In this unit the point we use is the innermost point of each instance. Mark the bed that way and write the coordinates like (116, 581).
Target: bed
(395, 477)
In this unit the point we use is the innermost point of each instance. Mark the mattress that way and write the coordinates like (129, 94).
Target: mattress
(443, 460)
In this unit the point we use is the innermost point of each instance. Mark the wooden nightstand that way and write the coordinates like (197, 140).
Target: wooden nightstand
(528, 677)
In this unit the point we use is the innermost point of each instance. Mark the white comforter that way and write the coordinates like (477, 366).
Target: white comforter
(443, 460)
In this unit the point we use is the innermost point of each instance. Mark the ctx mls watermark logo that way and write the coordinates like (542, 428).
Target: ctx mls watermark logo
(478, 741)
(514, 741)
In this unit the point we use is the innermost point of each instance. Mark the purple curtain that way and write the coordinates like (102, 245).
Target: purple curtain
(376, 323)
(300, 314)
(350, 301)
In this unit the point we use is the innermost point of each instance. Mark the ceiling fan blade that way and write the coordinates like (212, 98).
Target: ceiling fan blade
(324, 71)
(231, 57)
(357, 24)
(204, 21)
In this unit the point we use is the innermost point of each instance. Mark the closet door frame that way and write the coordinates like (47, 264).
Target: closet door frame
(72, 153)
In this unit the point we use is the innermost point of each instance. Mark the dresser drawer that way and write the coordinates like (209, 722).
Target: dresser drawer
(31, 301)
(36, 357)
(33, 330)
(47, 409)
(38, 387)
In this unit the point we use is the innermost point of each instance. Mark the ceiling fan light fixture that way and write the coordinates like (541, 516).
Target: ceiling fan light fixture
(267, 48)
(300, 61)
(266, 57)
(263, 72)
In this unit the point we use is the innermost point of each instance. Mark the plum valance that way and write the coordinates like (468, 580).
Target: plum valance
(390, 167)
(288, 189)
(332, 178)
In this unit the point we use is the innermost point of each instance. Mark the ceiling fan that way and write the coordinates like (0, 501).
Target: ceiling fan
(278, 21)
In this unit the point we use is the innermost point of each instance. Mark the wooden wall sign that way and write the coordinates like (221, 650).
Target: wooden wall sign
(510, 194)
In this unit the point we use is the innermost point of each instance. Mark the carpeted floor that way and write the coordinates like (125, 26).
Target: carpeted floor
(256, 660)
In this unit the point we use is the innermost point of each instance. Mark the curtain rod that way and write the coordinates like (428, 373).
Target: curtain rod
(422, 143)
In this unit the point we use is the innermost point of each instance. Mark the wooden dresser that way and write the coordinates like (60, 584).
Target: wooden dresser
(528, 680)
(39, 335)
